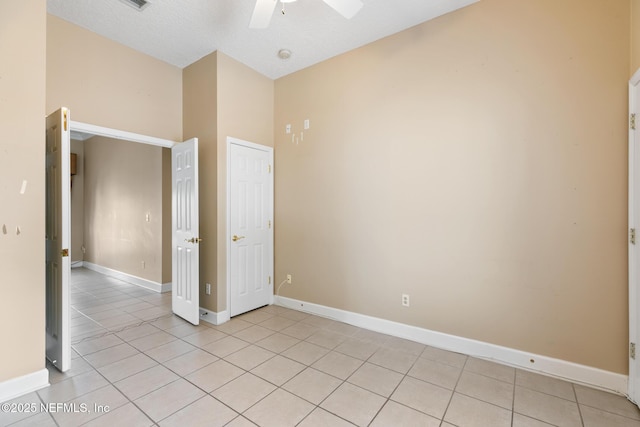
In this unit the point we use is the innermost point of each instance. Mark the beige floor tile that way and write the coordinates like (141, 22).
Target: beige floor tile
(300, 330)
(593, 417)
(168, 322)
(108, 398)
(407, 346)
(491, 369)
(398, 361)
(110, 355)
(520, 420)
(327, 339)
(277, 323)
(73, 387)
(312, 385)
(243, 392)
(190, 362)
(119, 321)
(377, 379)
(607, 401)
(278, 370)
(146, 382)
(338, 364)
(292, 314)
(277, 342)
(181, 331)
(96, 344)
(547, 408)
(256, 316)
(135, 332)
(470, 412)
(128, 415)
(486, 389)
(394, 414)
(305, 353)
(42, 419)
(253, 333)
(342, 328)
(152, 313)
(152, 341)
(545, 384)
(436, 373)
(169, 350)
(225, 346)
(205, 412)
(240, 422)
(164, 401)
(422, 396)
(126, 367)
(354, 404)
(78, 366)
(357, 348)
(321, 418)
(249, 357)
(444, 356)
(204, 337)
(215, 375)
(29, 401)
(317, 321)
(232, 326)
(279, 409)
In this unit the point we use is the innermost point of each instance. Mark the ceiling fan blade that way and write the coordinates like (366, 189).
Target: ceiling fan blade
(262, 13)
(346, 8)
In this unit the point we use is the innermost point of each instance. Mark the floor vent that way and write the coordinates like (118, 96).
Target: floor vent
(137, 4)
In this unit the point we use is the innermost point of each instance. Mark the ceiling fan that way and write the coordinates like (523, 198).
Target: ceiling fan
(264, 10)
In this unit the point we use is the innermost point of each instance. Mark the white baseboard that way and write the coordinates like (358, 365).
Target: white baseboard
(77, 264)
(581, 374)
(166, 287)
(213, 317)
(134, 280)
(19, 386)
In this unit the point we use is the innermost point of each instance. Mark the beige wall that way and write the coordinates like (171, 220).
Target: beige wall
(107, 84)
(245, 111)
(199, 88)
(123, 184)
(22, 257)
(477, 163)
(77, 203)
(635, 36)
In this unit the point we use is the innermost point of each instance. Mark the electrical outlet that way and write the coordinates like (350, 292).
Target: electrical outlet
(405, 300)
(207, 289)
(288, 278)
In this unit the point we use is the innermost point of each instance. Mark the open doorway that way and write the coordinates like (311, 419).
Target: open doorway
(181, 207)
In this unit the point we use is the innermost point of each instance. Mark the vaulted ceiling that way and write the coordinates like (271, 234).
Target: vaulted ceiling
(182, 31)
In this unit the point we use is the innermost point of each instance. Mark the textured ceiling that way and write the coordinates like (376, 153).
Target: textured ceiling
(182, 31)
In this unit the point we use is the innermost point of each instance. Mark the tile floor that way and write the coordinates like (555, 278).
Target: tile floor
(279, 367)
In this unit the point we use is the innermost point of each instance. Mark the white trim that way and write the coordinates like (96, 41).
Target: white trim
(134, 280)
(574, 372)
(269, 150)
(77, 264)
(120, 134)
(213, 317)
(632, 390)
(20, 386)
(166, 287)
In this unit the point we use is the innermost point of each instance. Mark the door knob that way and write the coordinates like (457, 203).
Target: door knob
(193, 240)
(236, 238)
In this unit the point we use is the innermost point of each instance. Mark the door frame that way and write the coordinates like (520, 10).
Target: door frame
(227, 237)
(94, 130)
(634, 260)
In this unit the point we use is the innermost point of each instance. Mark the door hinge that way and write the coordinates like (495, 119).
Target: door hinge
(269, 168)
(632, 236)
(64, 253)
(632, 121)
(269, 279)
(632, 350)
(65, 118)
(269, 223)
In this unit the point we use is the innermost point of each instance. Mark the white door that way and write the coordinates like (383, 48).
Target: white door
(57, 234)
(185, 225)
(250, 232)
